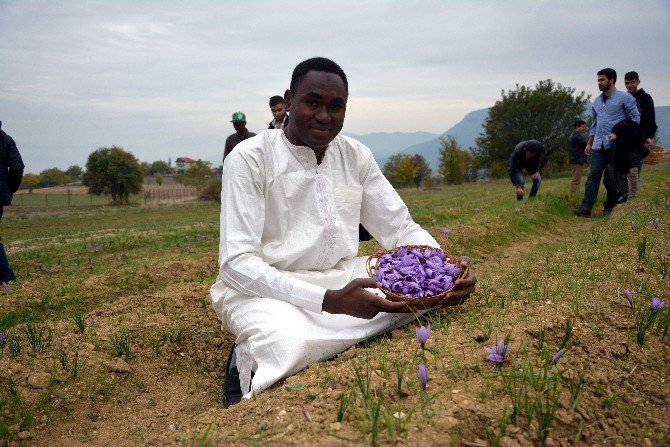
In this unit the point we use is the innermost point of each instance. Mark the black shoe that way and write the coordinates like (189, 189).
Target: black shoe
(232, 392)
(622, 199)
(607, 210)
(583, 212)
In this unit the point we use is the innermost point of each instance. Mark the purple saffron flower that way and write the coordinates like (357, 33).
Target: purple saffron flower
(632, 225)
(667, 203)
(446, 231)
(3, 339)
(477, 210)
(433, 221)
(16, 346)
(4, 286)
(656, 305)
(422, 334)
(629, 296)
(557, 356)
(423, 376)
(656, 222)
(517, 210)
(633, 213)
(499, 352)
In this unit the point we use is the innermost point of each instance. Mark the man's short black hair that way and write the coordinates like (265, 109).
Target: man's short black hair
(609, 73)
(578, 123)
(631, 76)
(317, 64)
(276, 100)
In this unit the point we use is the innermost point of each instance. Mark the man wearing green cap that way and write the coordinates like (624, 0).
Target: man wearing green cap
(241, 133)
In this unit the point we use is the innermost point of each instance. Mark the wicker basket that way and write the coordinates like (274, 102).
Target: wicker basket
(655, 156)
(416, 303)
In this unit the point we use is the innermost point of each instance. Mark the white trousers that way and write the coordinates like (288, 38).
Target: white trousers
(276, 339)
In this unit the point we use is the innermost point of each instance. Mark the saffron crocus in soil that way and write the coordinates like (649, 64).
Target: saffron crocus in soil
(517, 210)
(446, 231)
(656, 222)
(4, 286)
(629, 296)
(499, 352)
(423, 376)
(557, 356)
(3, 339)
(16, 346)
(433, 221)
(632, 225)
(422, 334)
(656, 305)
(477, 210)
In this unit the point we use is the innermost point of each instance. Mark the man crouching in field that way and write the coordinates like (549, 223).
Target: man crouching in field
(290, 287)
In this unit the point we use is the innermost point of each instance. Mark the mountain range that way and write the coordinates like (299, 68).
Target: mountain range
(384, 145)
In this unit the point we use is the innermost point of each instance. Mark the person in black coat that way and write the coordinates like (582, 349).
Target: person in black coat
(11, 173)
(645, 105)
(526, 155)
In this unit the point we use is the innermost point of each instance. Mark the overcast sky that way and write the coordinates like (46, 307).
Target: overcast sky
(150, 75)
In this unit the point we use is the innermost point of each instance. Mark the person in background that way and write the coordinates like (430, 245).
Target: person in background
(576, 155)
(11, 173)
(645, 105)
(609, 108)
(241, 133)
(278, 109)
(526, 155)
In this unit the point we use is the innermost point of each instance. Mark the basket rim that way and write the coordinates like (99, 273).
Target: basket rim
(413, 303)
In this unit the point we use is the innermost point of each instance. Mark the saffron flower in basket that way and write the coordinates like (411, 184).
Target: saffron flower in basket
(416, 272)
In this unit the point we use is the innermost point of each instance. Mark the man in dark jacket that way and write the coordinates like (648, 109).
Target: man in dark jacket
(11, 173)
(526, 154)
(278, 109)
(645, 105)
(576, 154)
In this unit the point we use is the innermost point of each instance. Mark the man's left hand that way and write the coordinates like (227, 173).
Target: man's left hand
(463, 287)
(535, 176)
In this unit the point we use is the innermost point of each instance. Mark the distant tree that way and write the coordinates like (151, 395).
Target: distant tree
(197, 175)
(31, 181)
(424, 170)
(403, 170)
(54, 177)
(544, 113)
(113, 171)
(159, 167)
(145, 166)
(75, 172)
(453, 161)
(159, 178)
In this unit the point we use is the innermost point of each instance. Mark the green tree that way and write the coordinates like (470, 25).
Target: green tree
(75, 172)
(544, 113)
(54, 177)
(159, 167)
(159, 178)
(197, 175)
(31, 181)
(456, 165)
(113, 171)
(424, 170)
(403, 170)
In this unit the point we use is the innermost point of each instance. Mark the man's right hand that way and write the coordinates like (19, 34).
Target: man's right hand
(519, 190)
(587, 150)
(354, 300)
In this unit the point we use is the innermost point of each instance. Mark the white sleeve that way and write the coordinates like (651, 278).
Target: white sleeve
(384, 214)
(242, 221)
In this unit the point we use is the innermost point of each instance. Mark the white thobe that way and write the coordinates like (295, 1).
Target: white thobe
(289, 232)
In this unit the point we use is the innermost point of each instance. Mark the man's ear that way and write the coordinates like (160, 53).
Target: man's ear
(287, 98)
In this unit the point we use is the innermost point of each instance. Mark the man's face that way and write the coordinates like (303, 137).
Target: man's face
(317, 108)
(604, 84)
(530, 154)
(581, 128)
(240, 127)
(279, 111)
(631, 84)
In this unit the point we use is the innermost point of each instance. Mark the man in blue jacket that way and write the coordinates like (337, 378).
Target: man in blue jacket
(11, 173)
(609, 108)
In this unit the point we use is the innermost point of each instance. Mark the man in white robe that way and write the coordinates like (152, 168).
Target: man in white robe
(290, 287)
